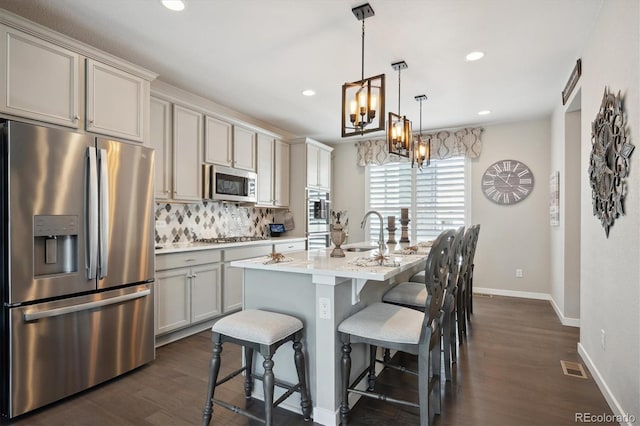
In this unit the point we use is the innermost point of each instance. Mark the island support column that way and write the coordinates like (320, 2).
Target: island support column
(333, 304)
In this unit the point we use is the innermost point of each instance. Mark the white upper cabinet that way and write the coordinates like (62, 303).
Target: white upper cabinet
(115, 102)
(160, 140)
(273, 171)
(39, 79)
(313, 154)
(244, 148)
(324, 169)
(265, 190)
(281, 174)
(318, 167)
(218, 138)
(187, 145)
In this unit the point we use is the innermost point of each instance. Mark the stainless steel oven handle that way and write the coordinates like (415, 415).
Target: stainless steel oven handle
(104, 212)
(36, 315)
(91, 212)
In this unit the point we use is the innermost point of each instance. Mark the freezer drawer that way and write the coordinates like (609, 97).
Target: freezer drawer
(62, 347)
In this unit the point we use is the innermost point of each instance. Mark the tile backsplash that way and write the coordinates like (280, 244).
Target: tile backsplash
(177, 223)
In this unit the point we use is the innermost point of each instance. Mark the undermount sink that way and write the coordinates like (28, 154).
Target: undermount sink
(359, 248)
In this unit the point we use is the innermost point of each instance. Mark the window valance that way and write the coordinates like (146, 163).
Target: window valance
(444, 144)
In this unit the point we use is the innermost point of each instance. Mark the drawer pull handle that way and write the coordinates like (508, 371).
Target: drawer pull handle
(190, 260)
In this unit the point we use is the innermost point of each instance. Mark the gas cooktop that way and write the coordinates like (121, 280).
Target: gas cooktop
(222, 240)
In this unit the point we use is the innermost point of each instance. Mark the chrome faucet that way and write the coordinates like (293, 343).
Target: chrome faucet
(381, 237)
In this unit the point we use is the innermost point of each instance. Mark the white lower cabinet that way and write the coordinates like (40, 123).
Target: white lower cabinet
(173, 297)
(188, 289)
(205, 292)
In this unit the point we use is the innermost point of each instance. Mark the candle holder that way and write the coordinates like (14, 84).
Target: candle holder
(392, 235)
(404, 236)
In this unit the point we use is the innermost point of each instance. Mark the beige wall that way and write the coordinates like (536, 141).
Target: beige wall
(348, 183)
(610, 275)
(510, 236)
(517, 236)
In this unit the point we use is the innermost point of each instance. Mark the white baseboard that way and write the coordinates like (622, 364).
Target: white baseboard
(569, 322)
(602, 385)
(512, 293)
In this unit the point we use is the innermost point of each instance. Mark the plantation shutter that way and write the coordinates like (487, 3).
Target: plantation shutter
(434, 197)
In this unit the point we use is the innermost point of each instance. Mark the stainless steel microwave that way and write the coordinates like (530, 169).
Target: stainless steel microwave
(227, 184)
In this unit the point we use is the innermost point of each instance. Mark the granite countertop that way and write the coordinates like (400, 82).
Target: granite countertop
(193, 246)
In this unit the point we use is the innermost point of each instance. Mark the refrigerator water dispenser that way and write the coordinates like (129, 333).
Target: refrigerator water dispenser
(55, 244)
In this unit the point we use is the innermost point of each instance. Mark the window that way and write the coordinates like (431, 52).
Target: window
(434, 196)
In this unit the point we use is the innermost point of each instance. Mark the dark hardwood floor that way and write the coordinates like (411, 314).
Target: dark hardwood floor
(508, 373)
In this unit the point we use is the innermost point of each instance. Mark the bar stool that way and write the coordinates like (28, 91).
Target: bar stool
(262, 331)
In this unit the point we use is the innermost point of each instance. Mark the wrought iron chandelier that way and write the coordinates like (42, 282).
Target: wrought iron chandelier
(363, 100)
(421, 150)
(398, 126)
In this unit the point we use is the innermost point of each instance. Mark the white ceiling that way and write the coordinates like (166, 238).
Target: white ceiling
(256, 56)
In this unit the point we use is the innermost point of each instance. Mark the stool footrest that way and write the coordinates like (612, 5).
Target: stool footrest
(400, 368)
(230, 376)
(290, 388)
(237, 409)
(382, 397)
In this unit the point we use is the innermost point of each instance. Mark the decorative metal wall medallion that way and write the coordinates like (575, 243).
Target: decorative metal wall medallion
(609, 161)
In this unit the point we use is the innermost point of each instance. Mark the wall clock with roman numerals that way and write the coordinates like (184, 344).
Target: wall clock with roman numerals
(507, 182)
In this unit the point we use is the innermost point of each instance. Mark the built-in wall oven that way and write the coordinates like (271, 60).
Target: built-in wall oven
(318, 219)
(225, 183)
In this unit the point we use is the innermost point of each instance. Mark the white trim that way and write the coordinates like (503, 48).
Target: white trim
(325, 417)
(569, 322)
(512, 293)
(602, 385)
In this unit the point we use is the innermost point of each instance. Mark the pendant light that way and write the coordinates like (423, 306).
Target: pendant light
(363, 100)
(398, 126)
(421, 150)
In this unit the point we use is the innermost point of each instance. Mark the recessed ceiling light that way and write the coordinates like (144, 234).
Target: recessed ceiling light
(474, 56)
(175, 5)
(308, 92)
(484, 112)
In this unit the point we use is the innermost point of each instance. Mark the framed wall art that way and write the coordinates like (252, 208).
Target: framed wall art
(609, 160)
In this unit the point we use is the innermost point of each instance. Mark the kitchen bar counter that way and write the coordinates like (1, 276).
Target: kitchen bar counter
(321, 291)
(194, 246)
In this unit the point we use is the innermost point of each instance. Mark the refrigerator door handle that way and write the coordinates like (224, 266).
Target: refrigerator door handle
(104, 212)
(91, 212)
(36, 315)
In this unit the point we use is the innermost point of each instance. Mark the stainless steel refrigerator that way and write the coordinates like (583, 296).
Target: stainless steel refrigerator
(77, 262)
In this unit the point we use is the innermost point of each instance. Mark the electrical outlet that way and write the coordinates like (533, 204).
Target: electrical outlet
(161, 224)
(518, 273)
(324, 308)
(603, 339)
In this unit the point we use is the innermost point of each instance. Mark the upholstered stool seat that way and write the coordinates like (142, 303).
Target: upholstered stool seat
(412, 294)
(262, 331)
(385, 322)
(418, 277)
(258, 326)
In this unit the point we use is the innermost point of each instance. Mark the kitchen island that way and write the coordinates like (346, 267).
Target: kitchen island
(321, 291)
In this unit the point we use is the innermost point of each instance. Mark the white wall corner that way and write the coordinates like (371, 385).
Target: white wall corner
(569, 322)
(602, 385)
